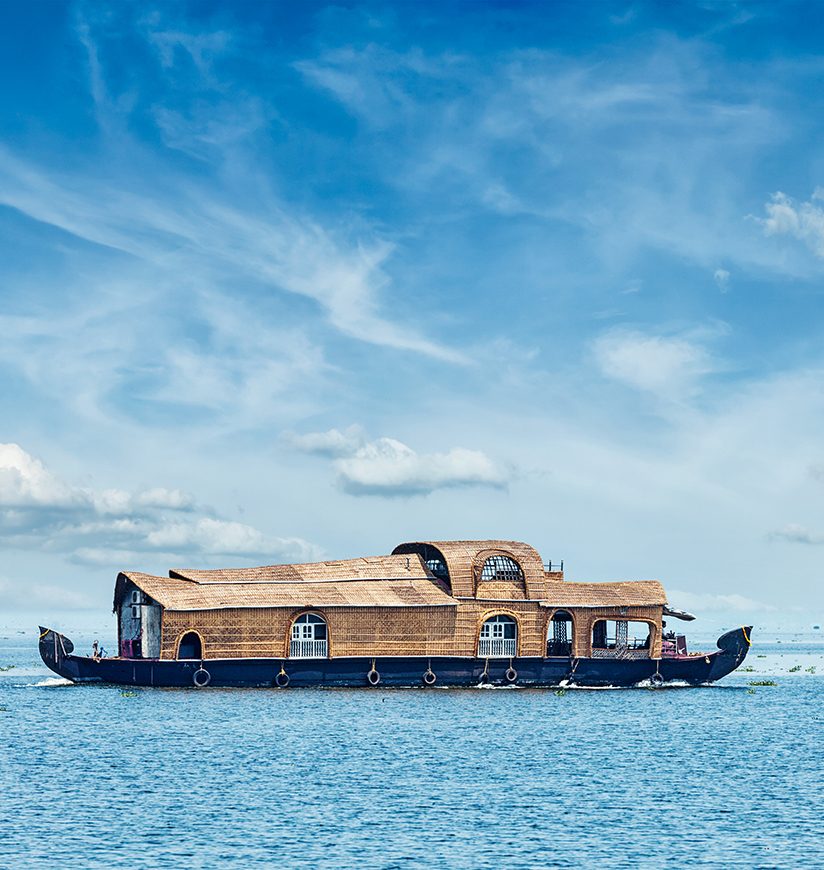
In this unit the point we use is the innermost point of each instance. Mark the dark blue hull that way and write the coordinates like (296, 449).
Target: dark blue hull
(398, 671)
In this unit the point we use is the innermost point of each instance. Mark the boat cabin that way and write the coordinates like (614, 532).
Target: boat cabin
(470, 599)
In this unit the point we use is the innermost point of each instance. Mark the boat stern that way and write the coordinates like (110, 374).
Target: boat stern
(56, 650)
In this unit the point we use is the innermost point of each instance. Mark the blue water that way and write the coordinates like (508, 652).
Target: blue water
(95, 776)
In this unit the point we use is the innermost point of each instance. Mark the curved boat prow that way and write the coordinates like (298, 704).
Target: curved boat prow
(55, 650)
(733, 648)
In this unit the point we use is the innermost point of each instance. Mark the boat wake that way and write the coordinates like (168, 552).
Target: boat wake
(51, 681)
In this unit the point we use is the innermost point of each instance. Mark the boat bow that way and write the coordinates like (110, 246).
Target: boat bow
(733, 647)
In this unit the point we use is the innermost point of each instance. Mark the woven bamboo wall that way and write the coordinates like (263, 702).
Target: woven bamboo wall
(375, 631)
(505, 589)
(353, 631)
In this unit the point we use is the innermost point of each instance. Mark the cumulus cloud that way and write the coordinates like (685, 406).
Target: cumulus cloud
(797, 534)
(39, 510)
(25, 482)
(334, 443)
(388, 467)
(219, 537)
(667, 365)
(803, 221)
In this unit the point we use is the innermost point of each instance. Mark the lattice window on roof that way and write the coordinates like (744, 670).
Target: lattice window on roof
(502, 568)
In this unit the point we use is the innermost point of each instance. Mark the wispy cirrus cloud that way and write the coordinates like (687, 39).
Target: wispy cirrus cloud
(669, 366)
(182, 229)
(797, 534)
(387, 467)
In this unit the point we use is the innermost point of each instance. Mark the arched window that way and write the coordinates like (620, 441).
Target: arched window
(499, 638)
(502, 568)
(309, 637)
(190, 646)
(559, 636)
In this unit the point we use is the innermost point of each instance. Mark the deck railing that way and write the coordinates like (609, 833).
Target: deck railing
(496, 648)
(307, 649)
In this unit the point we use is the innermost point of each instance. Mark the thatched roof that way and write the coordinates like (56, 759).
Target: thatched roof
(630, 593)
(366, 568)
(465, 559)
(399, 580)
(386, 581)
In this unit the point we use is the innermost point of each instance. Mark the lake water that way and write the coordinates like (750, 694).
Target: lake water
(95, 776)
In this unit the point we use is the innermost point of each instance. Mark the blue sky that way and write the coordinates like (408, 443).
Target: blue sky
(293, 281)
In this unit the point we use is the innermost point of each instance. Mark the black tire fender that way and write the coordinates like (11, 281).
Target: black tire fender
(373, 677)
(201, 678)
(429, 677)
(282, 680)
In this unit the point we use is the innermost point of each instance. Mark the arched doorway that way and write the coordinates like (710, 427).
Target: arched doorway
(560, 634)
(190, 646)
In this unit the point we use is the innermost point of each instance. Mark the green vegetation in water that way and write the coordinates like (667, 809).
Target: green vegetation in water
(4, 709)
(811, 669)
(8, 668)
(763, 683)
(560, 692)
(761, 657)
(748, 670)
(750, 691)
(128, 694)
(795, 669)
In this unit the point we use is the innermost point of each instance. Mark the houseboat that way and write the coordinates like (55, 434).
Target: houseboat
(433, 613)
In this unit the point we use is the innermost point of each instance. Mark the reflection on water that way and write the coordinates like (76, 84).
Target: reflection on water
(102, 776)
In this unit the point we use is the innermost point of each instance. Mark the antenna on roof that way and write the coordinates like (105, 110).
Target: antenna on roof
(407, 563)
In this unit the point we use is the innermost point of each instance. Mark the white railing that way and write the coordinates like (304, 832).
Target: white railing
(307, 649)
(496, 648)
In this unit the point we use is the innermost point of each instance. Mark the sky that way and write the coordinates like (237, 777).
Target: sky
(283, 282)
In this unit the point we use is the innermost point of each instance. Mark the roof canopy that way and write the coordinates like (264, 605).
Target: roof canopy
(630, 593)
(386, 581)
(400, 580)
(465, 560)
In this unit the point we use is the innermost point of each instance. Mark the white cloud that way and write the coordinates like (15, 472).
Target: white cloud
(173, 499)
(804, 221)
(39, 511)
(25, 482)
(334, 443)
(191, 231)
(664, 365)
(388, 467)
(722, 279)
(797, 534)
(219, 537)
